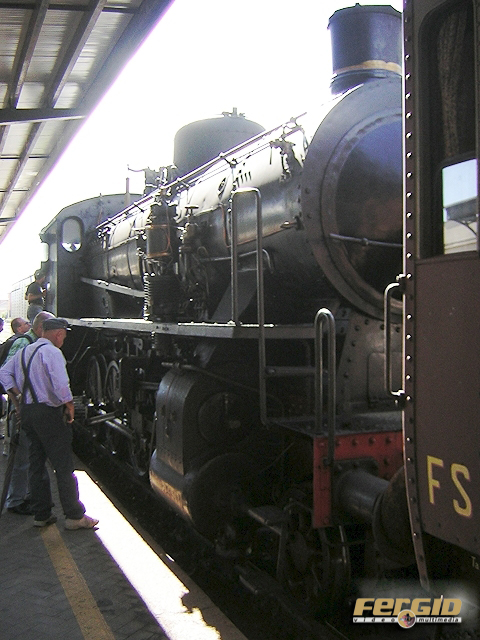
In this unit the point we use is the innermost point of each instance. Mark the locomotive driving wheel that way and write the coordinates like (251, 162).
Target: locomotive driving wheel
(316, 563)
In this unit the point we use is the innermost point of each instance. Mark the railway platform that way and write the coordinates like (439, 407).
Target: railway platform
(111, 583)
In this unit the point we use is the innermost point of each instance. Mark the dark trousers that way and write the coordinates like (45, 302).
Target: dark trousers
(50, 437)
(33, 309)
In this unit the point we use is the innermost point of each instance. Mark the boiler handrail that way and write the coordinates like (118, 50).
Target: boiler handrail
(325, 317)
(260, 289)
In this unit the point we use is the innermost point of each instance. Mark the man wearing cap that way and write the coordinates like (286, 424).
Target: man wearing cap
(18, 497)
(37, 379)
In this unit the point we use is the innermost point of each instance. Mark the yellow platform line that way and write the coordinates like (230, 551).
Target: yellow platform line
(89, 617)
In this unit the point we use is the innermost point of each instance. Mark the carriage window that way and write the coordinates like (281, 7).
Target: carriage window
(72, 234)
(45, 251)
(459, 184)
(449, 204)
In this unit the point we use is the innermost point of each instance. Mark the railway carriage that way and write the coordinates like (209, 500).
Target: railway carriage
(440, 284)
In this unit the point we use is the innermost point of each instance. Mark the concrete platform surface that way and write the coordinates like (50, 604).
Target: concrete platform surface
(102, 584)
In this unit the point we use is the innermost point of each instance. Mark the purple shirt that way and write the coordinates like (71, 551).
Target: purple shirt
(48, 374)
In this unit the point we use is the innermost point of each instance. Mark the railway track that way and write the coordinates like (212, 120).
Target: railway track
(254, 601)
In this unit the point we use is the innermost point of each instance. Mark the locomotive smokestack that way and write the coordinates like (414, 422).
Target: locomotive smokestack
(366, 44)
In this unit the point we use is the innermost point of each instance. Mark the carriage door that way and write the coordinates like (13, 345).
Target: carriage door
(442, 284)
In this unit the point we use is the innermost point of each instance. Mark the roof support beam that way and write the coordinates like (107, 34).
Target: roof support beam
(28, 39)
(52, 93)
(79, 38)
(15, 116)
(73, 28)
(25, 53)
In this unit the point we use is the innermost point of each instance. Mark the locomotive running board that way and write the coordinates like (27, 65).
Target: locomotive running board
(198, 329)
(116, 288)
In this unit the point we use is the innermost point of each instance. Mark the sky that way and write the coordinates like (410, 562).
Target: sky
(268, 58)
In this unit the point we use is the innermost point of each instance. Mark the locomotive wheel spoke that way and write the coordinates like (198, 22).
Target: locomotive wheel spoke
(317, 567)
(113, 392)
(114, 442)
(139, 453)
(139, 446)
(94, 386)
(94, 392)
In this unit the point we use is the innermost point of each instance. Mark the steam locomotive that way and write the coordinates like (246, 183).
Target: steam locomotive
(228, 338)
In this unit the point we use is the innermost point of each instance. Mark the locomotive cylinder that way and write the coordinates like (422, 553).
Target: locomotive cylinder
(357, 492)
(382, 504)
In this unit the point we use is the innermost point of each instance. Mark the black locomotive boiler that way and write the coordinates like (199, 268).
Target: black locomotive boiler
(229, 337)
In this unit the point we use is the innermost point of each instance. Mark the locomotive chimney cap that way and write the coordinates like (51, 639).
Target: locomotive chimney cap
(366, 44)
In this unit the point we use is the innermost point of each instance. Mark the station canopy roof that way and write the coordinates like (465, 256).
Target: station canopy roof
(57, 60)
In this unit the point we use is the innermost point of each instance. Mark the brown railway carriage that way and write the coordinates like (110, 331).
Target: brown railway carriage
(441, 286)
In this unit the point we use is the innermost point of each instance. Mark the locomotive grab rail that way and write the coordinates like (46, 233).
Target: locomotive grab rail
(262, 355)
(366, 242)
(234, 259)
(112, 286)
(325, 317)
(260, 288)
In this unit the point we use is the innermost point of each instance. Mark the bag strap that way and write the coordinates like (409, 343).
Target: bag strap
(5, 349)
(27, 383)
(8, 344)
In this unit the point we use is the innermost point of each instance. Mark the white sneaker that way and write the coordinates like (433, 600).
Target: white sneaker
(84, 523)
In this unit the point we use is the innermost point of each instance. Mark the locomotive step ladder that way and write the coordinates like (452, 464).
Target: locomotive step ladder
(324, 325)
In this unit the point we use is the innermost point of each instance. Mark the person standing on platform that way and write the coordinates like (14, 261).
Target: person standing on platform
(18, 497)
(35, 295)
(29, 336)
(38, 379)
(2, 399)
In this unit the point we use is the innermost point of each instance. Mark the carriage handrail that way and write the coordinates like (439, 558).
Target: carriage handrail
(399, 393)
